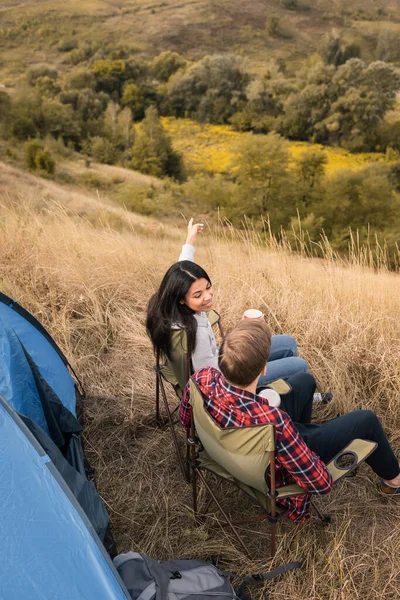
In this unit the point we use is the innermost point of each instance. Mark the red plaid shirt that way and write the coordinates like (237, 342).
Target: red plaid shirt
(233, 407)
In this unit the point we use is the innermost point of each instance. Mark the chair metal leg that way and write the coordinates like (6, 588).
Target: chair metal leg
(325, 519)
(210, 499)
(239, 539)
(173, 433)
(158, 418)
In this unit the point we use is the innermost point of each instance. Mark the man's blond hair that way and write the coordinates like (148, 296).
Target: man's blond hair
(245, 351)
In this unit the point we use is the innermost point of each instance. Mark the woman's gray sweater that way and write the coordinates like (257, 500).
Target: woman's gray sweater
(206, 350)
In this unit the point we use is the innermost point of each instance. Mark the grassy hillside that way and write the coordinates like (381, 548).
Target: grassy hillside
(32, 31)
(89, 283)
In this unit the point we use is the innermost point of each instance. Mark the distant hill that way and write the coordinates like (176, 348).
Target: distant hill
(33, 31)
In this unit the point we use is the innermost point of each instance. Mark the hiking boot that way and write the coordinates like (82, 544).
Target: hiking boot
(323, 397)
(388, 490)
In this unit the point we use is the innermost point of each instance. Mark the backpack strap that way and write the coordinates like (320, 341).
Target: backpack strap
(254, 579)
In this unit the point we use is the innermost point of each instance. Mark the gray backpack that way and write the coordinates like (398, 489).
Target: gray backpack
(149, 579)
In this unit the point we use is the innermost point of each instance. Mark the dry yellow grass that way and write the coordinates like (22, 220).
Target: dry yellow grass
(90, 284)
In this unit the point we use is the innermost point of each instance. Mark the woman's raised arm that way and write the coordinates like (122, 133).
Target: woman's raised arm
(188, 248)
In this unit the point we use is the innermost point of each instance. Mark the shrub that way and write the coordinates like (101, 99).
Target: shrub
(40, 70)
(31, 149)
(67, 45)
(290, 4)
(37, 158)
(45, 162)
(80, 79)
(272, 25)
(138, 198)
(93, 180)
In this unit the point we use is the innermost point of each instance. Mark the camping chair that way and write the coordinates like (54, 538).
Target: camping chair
(177, 372)
(242, 456)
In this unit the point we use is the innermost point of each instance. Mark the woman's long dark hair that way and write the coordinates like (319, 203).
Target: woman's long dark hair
(165, 308)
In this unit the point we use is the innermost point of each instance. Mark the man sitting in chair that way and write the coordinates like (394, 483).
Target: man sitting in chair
(303, 449)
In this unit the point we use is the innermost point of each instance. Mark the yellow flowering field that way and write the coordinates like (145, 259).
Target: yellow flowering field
(212, 148)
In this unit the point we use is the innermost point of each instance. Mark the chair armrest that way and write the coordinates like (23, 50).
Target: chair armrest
(357, 450)
(279, 385)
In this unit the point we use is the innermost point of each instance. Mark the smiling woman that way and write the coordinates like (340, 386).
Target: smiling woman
(199, 296)
(182, 301)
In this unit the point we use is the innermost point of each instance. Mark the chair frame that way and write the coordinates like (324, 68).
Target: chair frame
(194, 446)
(197, 471)
(160, 391)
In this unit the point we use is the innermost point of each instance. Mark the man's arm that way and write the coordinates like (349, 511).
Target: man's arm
(185, 410)
(188, 248)
(304, 465)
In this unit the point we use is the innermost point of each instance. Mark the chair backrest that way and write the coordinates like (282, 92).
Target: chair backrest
(178, 370)
(242, 451)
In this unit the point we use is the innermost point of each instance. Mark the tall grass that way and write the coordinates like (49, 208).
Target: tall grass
(89, 284)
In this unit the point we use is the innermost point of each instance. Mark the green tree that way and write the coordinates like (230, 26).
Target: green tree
(60, 121)
(166, 64)
(304, 110)
(133, 98)
(210, 89)
(263, 175)
(110, 75)
(152, 151)
(5, 113)
(265, 95)
(124, 127)
(212, 195)
(335, 52)
(103, 150)
(358, 199)
(27, 120)
(310, 172)
(118, 125)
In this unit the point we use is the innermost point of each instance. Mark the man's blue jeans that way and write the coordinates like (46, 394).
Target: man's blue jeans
(283, 360)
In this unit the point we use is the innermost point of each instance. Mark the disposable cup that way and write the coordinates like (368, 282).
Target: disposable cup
(252, 313)
(272, 396)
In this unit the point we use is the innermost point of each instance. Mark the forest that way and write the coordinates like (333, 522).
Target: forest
(109, 103)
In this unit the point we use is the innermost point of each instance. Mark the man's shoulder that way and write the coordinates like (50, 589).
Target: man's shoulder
(206, 372)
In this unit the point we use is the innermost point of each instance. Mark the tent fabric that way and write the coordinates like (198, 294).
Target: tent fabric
(49, 548)
(17, 383)
(51, 422)
(83, 490)
(49, 359)
(23, 386)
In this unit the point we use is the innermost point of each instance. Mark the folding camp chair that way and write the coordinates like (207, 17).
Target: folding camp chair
(177, 372)
(242, 456)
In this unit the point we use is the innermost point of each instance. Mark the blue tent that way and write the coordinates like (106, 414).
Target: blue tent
(49, 549)
(52, 520)
(47, 356)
